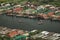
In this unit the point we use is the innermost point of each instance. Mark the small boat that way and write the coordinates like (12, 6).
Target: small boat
(40, 22)
(10, 14)
(32, 17)
(25, 16)
(19, 15)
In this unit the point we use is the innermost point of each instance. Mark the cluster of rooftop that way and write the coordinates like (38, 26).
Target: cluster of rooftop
(31, 11)
(17, 34)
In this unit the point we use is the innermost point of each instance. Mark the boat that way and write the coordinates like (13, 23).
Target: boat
(40, 22)
(10, 14)
(32, 17)
(25, 16)
(19, 15)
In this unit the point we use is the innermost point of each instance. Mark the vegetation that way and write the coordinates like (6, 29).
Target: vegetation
(53, 2)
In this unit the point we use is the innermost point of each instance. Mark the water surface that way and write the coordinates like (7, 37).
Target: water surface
(28, 24)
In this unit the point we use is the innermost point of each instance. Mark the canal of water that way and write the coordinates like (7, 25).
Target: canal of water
(29, 24)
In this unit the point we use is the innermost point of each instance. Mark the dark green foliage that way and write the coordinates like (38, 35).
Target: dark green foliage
(53, 2)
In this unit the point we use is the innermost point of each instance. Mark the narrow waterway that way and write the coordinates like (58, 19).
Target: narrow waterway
(29, 24)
